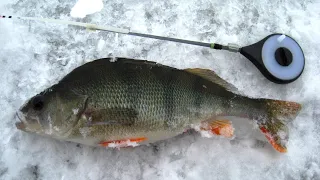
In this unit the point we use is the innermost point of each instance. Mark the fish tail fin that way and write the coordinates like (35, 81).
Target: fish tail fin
(275, 129)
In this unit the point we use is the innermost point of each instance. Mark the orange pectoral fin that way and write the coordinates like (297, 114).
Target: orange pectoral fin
(123, 142)
(219, 127)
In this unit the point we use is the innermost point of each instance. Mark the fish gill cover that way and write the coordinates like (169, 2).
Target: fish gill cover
(34, 55)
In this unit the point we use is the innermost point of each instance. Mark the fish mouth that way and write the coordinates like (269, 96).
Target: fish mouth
(20, 125)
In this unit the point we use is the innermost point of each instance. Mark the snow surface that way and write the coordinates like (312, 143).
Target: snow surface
(85, 7)
(34, 55)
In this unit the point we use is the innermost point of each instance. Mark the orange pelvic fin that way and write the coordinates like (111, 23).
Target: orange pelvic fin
(123, 142)
(219, 127)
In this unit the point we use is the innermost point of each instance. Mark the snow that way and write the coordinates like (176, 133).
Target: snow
(122, 144)
(85, 7)
(75, 111)
(34, 55)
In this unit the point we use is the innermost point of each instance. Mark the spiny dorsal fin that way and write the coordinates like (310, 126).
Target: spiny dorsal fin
(213, 77)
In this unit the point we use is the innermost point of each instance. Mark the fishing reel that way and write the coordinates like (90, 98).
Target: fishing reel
(278, 57)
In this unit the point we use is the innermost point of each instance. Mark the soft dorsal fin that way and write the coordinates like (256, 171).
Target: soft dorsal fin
(213, 77)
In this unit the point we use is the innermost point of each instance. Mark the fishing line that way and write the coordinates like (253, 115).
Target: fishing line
(278, 57)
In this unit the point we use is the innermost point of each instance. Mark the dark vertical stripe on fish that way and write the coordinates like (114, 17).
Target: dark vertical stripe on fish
(226, 105)
(169, 98)
(198, 87)
(130, 76)
(166, 78)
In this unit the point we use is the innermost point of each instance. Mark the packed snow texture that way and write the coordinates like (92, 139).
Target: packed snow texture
(85, 7)
(34, 55)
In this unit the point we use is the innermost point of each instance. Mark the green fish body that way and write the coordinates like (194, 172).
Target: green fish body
(107, 102)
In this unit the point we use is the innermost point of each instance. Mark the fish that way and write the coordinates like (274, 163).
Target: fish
(121, 102)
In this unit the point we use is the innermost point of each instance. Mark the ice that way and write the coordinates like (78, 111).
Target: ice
(34, 55)
(85, 7)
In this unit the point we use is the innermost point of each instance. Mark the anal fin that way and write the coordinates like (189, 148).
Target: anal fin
(218, 127)
(275, 126)
(274, 140)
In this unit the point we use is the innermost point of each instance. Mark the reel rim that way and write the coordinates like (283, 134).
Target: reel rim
(284, 73)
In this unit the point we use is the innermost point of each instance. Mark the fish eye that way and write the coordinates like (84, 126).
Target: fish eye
(38, 102)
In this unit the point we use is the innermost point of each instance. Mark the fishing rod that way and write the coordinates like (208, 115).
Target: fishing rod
(278, 56)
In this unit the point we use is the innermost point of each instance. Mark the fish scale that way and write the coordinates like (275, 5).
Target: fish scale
(170, 99)
(145, 102)
(162, 101)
